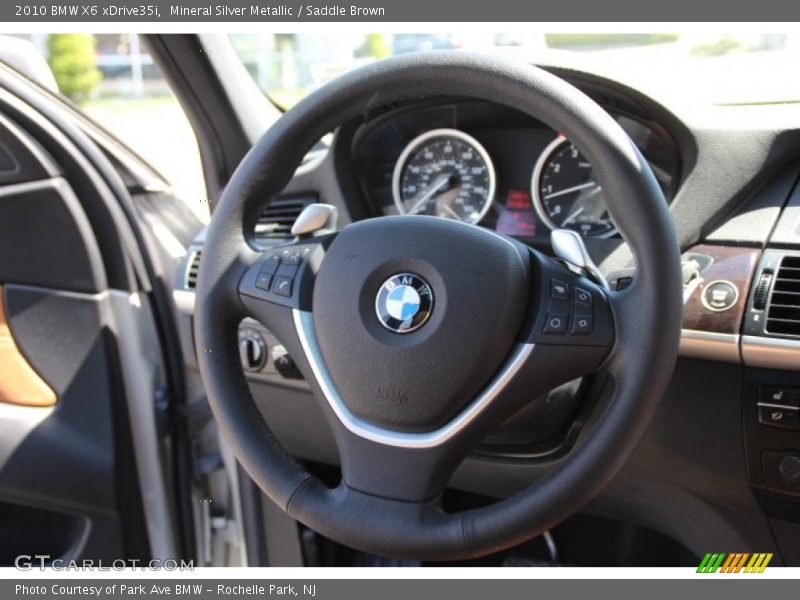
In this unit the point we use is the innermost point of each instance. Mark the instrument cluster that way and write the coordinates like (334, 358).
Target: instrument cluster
(488, 165)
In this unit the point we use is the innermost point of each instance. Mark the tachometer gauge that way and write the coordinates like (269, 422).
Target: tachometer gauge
(566, 192)
(447, 173)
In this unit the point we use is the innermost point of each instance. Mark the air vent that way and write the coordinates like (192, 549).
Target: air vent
(783, 314)
(277, 219)
(191, 272)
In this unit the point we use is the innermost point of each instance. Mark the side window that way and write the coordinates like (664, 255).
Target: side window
(114, 81)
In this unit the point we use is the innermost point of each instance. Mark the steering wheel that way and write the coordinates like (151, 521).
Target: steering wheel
(419, 335)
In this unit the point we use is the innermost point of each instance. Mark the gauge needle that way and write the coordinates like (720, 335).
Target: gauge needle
(439, 184)
(569, 190)
(572, 217)
(452, 212)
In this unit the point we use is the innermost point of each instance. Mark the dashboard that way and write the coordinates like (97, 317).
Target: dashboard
(493, 166)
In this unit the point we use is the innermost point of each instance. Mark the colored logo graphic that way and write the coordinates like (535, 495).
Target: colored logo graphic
(404, 302)
(742, 562)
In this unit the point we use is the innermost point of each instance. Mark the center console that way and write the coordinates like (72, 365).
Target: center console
(770, 347)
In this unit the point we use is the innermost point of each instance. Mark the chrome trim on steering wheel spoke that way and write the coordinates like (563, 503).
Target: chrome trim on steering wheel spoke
(304, 323)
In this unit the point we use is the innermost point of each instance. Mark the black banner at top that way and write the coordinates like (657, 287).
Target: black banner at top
(442, 11)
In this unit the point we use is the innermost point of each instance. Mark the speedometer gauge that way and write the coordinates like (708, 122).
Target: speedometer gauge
(447, 173)
(566, 192)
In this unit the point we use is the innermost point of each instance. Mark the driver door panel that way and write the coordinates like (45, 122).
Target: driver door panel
(64, 433)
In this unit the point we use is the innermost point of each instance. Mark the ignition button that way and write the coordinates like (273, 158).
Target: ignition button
(719, 296)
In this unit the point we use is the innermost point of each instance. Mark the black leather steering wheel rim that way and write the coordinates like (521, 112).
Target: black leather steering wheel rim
(647, 314)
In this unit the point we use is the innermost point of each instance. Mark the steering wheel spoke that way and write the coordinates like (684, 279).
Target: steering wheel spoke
(572, 310)
(284, 276)
(409, 466)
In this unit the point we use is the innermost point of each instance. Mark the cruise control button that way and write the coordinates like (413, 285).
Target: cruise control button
(776, 416)
(582, 325)
(293, 257)
(271, 264)
(555, 324)
(264, 280)
(559, 290)
(287, 270)
(583, 297)
(282, 286)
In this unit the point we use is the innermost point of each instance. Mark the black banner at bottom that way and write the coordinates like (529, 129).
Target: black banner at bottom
(732, 587)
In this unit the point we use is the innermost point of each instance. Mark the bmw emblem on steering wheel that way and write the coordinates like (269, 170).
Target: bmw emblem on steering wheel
(404, 302)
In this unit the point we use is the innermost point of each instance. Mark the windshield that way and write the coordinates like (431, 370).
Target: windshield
(696, 67)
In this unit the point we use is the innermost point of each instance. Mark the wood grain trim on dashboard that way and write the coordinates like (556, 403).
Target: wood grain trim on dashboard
(730, 264)
(19, 382)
